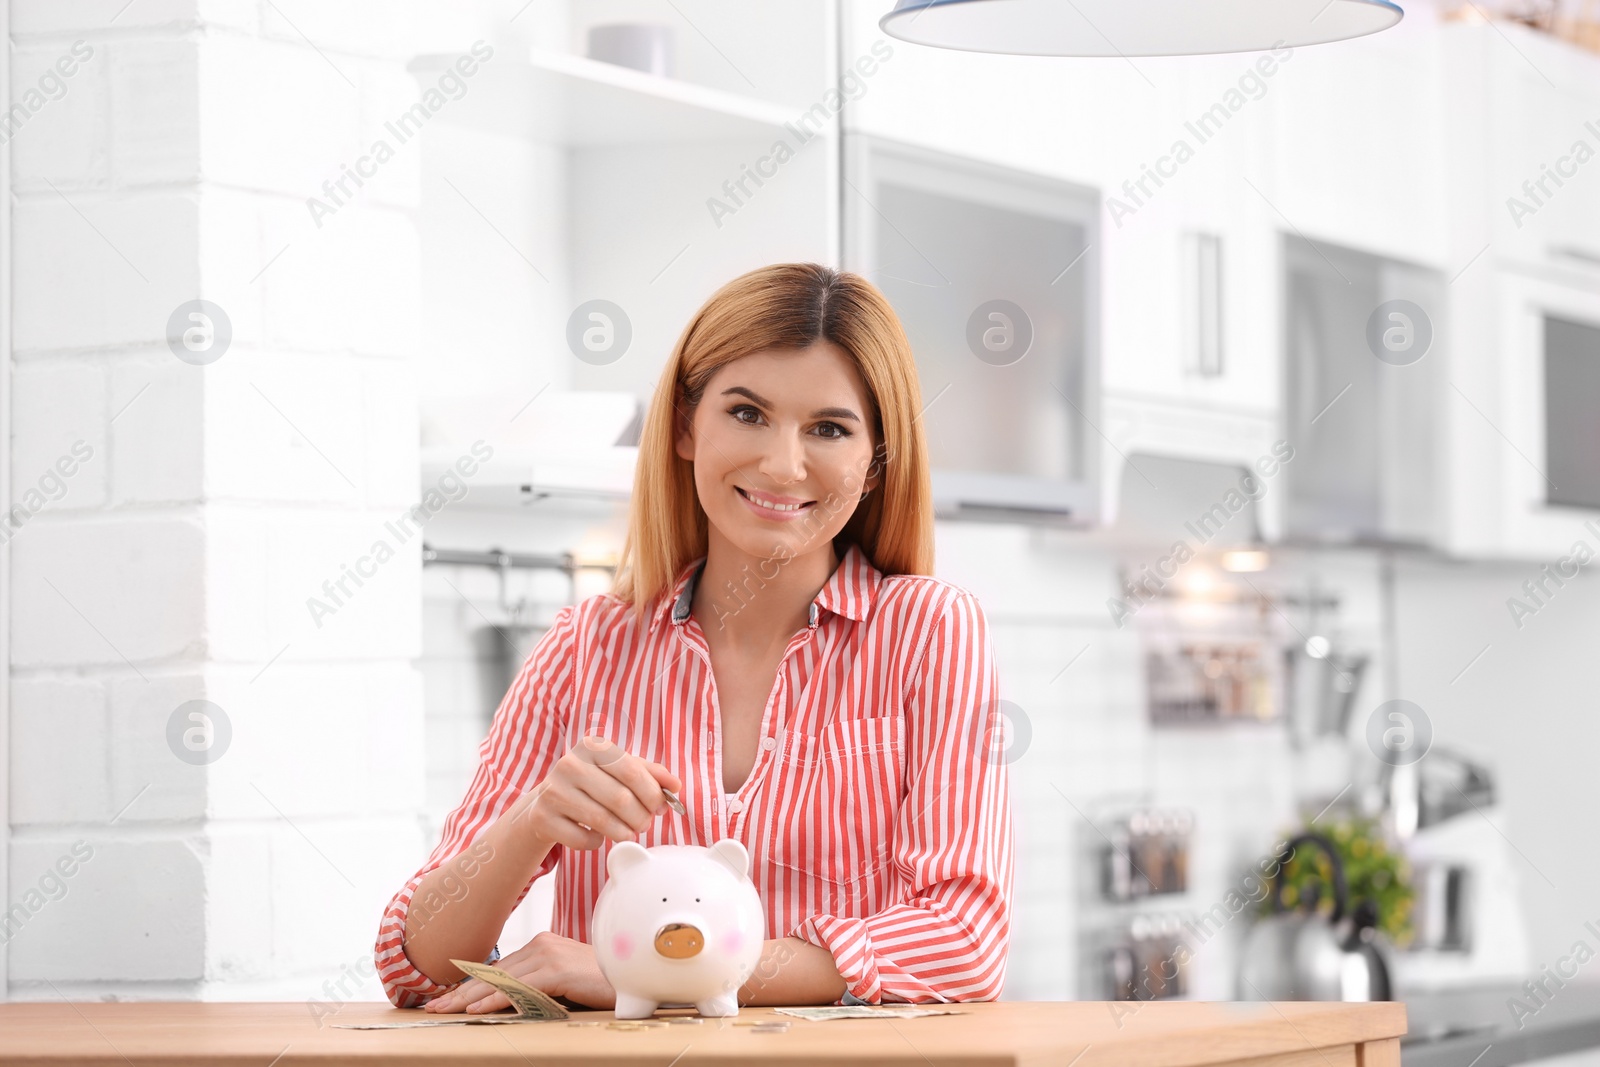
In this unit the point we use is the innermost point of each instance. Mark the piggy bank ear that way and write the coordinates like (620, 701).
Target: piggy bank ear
(732, 855)
(625, 854)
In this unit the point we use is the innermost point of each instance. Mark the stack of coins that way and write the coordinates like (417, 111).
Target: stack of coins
(764, 1026)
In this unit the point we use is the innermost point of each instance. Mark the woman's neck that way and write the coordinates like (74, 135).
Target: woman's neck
(752, 603)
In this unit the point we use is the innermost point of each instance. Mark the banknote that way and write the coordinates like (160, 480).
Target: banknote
(866, 1011)
(529, 1002)
(443, 1020)
(532, 1006)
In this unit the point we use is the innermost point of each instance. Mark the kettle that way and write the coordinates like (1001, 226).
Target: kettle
(1305, 957)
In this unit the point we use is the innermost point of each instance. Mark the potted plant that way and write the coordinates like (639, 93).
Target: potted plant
(1375, 874)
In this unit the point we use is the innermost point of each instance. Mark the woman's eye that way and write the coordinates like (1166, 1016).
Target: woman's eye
(742, 410)
(834, 429)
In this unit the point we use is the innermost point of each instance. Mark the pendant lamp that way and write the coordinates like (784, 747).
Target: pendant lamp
(1133, 27)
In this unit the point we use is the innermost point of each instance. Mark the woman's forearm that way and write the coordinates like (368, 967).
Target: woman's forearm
(460, 907)
(793, 971)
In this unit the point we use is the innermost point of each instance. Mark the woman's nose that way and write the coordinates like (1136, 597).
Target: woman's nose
(785, 459)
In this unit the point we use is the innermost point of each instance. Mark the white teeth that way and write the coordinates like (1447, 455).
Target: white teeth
(772, 507)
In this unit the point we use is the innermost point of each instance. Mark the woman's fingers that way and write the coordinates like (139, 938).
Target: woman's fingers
(636, 798)
(584, 807)
(569, 833)
(494, 1002)
(468, 991)
(666, 777)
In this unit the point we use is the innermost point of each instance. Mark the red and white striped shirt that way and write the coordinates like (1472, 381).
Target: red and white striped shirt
(877, 814)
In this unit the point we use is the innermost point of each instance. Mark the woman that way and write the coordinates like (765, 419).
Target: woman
(775, 652)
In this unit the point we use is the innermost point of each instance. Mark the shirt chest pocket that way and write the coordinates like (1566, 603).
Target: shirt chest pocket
(843, 787)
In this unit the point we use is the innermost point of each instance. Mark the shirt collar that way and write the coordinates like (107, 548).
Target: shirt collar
(849, 591)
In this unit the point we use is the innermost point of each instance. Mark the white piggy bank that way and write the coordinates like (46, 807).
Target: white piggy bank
(677, 925)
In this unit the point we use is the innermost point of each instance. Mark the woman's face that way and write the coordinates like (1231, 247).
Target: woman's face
(782, 447)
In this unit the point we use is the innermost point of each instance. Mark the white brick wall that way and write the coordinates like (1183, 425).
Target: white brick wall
(177, 563)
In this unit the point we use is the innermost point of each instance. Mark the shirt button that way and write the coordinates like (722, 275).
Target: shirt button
(769, 743)
(736, 805)
(710, 741)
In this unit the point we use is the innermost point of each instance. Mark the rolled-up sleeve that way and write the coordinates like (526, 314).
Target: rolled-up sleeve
(526, 738)
(946, 940)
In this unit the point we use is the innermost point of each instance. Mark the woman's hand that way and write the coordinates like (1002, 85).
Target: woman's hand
(595, 791)
(550, 963)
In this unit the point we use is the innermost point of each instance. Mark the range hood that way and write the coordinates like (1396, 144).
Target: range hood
(1211, 506)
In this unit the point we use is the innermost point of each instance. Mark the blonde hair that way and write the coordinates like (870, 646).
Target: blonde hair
(786, 305)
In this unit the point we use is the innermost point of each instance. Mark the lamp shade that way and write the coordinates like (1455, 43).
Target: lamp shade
(1133, 27)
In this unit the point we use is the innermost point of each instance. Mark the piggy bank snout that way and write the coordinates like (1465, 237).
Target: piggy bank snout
(679, 941)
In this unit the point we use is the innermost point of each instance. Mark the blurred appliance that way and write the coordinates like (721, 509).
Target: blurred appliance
(1365, 418)
(1441, 913)
(1132, 897)
(500, 651)
(995, 275)
(640, 45)
(1147, 854)
(1215, 680)
(1294, 956)
(1321, 682)
(1147, 963)
(1449, 784)
(1133, 27)
(1570, 20)
(501, 648)
(1162, 497)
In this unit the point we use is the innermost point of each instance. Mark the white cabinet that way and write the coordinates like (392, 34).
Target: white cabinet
(1239, 148)
(1527, 418)
(1105, 126)
(558, 181)
(1524, 203)
(1366, 349)
(994, 275)
(574, 214)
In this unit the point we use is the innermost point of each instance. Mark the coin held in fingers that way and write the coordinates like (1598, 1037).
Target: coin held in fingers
(673, 802)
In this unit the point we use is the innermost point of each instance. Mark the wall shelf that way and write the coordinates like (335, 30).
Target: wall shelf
(573, 100)
(520, 477)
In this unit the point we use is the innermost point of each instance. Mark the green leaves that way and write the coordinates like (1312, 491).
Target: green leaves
(1373, 871)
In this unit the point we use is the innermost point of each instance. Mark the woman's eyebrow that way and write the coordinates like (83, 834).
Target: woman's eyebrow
(820, 413)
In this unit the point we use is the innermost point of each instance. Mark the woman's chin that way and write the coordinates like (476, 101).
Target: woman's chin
(765, 541)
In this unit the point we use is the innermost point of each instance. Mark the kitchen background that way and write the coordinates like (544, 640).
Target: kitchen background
(1200, 258)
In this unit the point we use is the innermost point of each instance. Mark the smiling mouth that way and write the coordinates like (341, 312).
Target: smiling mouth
(780, 509)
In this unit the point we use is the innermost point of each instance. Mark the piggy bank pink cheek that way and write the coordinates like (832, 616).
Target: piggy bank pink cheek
(622, 946)
(732, 942)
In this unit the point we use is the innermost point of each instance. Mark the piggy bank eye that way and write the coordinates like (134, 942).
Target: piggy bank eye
(663, 900)
(697, 900)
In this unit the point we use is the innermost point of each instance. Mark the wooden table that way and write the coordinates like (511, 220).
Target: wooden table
(1080, 1033)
